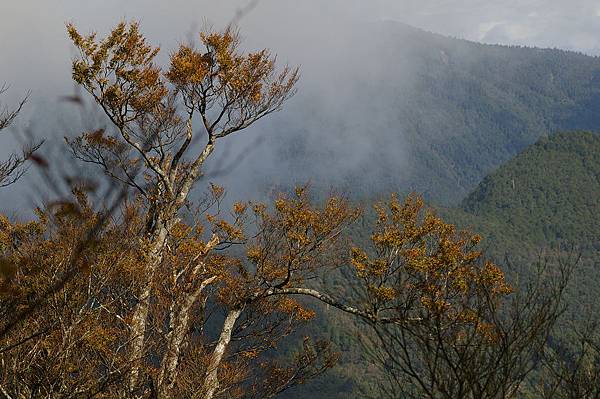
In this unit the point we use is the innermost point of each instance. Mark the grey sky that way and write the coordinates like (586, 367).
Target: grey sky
(35, 53)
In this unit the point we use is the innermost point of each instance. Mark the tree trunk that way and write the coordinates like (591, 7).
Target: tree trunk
(211, 379)
(161, 221)
(140, 314)
(177, 330)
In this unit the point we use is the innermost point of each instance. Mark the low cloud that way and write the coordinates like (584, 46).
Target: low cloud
(329, 39)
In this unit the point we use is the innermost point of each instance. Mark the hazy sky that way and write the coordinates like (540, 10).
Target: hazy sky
(35, 53)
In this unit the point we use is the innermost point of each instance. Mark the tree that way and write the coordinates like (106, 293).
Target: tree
(443, 324)
(572, 367)
(152, 113)
(169, 297)
(457, 329)
(13, 168)
(66, 345)
(76, 341)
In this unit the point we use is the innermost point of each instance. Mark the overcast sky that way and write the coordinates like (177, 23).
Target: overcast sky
(35, 53)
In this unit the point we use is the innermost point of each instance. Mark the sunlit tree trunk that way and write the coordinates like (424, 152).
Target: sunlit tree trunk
(140, 314)
(178, 327)
(211, 379)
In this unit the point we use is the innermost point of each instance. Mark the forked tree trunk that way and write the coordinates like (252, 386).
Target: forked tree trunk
(165, 219)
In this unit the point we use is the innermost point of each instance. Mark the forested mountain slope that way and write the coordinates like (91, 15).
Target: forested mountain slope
(546, 197)
(429, 113)
(544, 200)
(548, 194)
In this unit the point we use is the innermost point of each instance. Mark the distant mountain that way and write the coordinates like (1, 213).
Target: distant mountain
(429, 113)
(471, 126)
(545, 198)
(548, 194)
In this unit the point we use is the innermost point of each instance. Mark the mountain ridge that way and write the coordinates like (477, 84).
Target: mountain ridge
(431, 114)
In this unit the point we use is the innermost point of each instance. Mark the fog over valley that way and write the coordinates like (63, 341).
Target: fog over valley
(361, 67)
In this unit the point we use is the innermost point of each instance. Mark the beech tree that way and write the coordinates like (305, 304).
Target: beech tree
(436, 310)
(218, 308)
(458, 329)
(76, 342)
(153, 111)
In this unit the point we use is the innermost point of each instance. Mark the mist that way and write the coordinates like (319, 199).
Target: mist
(342, 47)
